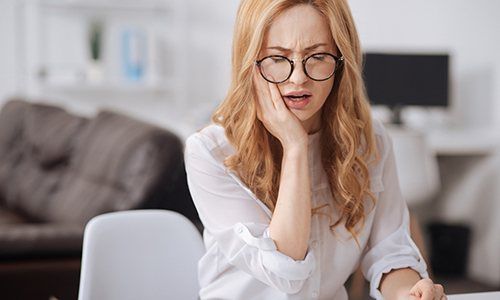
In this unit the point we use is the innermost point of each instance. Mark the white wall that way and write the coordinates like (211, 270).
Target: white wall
(8, 50)
(210, 39)
(469, 30)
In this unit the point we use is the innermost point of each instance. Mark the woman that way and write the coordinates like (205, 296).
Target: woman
(294, 184)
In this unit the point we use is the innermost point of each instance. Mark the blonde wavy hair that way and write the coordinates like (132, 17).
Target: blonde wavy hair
(347, 140)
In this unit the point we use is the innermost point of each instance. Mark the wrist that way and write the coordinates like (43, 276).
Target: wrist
(295, 151)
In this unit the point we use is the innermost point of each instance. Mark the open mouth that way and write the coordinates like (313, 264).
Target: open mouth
(297, 102)
(296, 98)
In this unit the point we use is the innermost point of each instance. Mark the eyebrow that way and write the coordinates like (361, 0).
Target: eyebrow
(306, 49)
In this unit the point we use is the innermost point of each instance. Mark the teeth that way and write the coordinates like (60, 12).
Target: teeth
(297, 98)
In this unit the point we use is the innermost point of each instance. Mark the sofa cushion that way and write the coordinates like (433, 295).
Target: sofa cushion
(32, 188)
(9, 217)
(37, 143)
(51, 134)
(11, 125)
(11, 129)
(118, 164)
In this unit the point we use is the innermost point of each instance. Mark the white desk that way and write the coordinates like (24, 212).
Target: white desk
(464, 141)
(476, 296)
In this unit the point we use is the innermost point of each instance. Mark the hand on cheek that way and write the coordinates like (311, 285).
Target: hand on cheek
(275, 115)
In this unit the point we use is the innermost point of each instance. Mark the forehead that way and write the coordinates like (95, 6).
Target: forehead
(297, 28)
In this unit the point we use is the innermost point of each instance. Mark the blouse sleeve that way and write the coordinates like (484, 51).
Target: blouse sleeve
(390, 245)
(239, 225)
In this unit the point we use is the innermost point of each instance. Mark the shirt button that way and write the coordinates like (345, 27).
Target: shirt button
(315, 294)
(240, 229)
(314, 244)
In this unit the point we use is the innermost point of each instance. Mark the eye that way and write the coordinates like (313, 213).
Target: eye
(277, 59)
(319, 57)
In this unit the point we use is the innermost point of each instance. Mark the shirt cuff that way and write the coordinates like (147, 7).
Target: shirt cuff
(400, 252)
(273, 260)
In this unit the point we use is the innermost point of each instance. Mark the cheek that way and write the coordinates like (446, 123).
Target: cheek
(322, 90)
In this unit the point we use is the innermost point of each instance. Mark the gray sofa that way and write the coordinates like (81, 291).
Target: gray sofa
(58, 170)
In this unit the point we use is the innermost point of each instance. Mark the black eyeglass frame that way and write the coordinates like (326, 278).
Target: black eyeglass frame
(338, 63)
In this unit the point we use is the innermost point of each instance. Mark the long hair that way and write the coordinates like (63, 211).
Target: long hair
(347, 141)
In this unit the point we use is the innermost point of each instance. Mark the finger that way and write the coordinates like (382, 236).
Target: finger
(258, 110)
(416, 290)
(428, 292)
(439, 289)
(438, 292)
(424, 290)
(263, 93)
(276, 96)
(417, 293)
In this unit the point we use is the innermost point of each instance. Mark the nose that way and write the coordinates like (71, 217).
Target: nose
(298, 75)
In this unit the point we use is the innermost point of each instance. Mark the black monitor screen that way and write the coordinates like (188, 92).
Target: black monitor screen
(406, 79)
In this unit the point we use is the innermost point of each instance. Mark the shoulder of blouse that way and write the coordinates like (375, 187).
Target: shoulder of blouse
(382, 138)
(211, 138)
(384, 148)
(378, 127)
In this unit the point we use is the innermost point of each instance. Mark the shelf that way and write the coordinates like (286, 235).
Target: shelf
(95, 5)
(56, 46)
(109, 88)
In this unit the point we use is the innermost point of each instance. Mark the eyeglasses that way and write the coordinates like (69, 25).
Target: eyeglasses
(318, 67)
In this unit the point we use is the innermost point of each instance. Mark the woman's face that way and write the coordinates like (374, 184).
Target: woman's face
(296, 34)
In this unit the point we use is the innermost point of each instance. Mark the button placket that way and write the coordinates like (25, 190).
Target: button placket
(315, 247)
(314, 243)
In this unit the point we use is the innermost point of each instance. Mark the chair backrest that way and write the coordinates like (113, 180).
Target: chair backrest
(140, 254)
(416, 164)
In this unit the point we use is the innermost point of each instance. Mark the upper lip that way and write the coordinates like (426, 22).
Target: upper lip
(298, 93)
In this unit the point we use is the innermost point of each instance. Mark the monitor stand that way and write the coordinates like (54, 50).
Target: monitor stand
(396, 114)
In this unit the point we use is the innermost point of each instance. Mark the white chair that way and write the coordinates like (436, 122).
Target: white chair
(140, 254)
(416, 164)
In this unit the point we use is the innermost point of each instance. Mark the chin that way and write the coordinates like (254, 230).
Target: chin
(301, 115)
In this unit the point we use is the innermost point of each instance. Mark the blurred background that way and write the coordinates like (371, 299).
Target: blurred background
(84, 85)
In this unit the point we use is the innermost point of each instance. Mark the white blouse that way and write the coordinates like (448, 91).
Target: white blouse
(242, 261)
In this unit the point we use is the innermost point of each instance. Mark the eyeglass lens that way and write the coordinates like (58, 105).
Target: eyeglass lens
(317, 67)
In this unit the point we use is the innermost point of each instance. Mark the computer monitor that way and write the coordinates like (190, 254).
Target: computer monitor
(398, 79)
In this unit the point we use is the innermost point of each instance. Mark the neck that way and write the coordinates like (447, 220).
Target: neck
(313, 124)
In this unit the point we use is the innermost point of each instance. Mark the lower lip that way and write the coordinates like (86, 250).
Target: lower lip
(297, 104)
